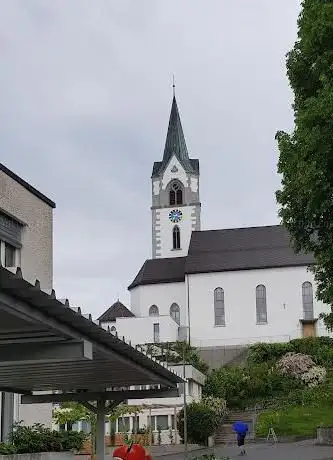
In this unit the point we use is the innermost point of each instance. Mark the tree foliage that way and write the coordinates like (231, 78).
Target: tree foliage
(306, 155)
(246, 387)
(72, 412)
(203, 418)
(175, 352)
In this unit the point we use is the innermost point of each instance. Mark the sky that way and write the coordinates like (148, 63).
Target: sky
(85, 91)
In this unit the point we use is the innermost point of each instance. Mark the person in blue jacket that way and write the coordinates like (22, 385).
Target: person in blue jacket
(241, 442)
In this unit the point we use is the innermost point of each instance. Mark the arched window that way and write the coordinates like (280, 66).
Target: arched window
(175, 194)
(175, 313)
(261, 304)
(176, 237)
(153, 310)
(219, 313)
(307, 299)
(113, 330)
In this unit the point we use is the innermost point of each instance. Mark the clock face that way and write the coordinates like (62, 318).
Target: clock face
(175, 216)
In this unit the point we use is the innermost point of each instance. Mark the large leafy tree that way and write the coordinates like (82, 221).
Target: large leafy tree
(306, 155)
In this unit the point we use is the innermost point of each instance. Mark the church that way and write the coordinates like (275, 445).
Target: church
(214, 288)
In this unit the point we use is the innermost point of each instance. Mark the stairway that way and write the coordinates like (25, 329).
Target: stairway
(225, 434)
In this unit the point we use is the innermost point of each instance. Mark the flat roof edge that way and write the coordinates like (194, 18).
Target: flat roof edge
(27, 186)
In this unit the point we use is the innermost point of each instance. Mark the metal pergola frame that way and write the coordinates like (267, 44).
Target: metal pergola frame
(47, 346)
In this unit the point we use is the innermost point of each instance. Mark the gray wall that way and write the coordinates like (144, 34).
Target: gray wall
(35, 260)
(36, 252)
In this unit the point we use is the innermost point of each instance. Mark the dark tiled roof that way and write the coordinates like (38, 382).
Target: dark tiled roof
(154, 271)
(242, 249)
(174, 144)
(27, 186)
(227, 250)
(117, 310)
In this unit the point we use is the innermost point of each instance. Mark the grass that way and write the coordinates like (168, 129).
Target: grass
(294, 421)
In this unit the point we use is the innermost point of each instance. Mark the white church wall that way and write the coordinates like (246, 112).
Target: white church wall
(284, 306)
(161, 295)
(185, 227)
(141, 330)
(174, 170)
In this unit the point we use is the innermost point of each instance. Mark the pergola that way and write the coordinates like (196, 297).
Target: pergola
(50, 352)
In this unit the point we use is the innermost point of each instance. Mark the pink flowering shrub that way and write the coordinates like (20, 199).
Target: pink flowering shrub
(301, 366)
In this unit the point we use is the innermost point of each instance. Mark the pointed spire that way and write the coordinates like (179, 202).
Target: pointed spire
(175, 141)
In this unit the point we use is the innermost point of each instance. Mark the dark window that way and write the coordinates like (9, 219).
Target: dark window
(219, 314)
(9, 255)
(172, 197)
(179, 196)
(123, 424)
(162, 422)
(261, 304)
(176, 237)
(113, 330)
(156, 330)
(175, 313)
(153, 311)
(307, 299)
(136, 423)
(175, 194)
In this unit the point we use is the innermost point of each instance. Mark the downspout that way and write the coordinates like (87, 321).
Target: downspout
(188, 309)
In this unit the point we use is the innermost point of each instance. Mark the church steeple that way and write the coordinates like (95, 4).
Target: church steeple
(175, 194)
(175, 141)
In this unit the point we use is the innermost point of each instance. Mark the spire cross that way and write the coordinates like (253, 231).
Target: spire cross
(173, 84)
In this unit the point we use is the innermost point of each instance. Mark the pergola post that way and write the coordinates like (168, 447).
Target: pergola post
(100, 429)
(7, 416)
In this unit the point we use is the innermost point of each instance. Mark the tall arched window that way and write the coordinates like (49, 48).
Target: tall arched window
(175, 313)
(261, 304)
(307, 299)
(175, 194)
(153, 310)
(176, 237)
(219, 313)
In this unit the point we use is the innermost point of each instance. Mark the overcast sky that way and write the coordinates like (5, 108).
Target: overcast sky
(85, 91)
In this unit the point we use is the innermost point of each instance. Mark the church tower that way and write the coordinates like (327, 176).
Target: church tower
(175, 194)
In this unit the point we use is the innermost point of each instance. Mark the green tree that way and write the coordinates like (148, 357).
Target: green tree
(306, 155)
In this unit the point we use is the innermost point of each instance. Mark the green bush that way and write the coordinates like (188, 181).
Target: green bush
(319, 348)
(246, 387)
(267, 352)
(37, 438)
(7, 449)
(202, 422)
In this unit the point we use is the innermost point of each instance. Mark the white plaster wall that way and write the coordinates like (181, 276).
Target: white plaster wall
(141, 330)
(36, 261)
(284, 306)
(185, 226)
(162, 295)
(180, 175)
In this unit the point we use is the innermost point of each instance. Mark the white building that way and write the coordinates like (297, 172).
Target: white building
(218, 288)
(26, 227)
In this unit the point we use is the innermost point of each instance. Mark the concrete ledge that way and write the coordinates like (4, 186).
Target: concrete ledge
(40, 456)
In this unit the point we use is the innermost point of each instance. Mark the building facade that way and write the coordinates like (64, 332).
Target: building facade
(26, 241)
(216, 288)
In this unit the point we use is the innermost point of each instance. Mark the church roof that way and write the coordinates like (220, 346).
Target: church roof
(117, 310)
(175, 144)
(243, 249)
(155, 271)
(226, 250)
